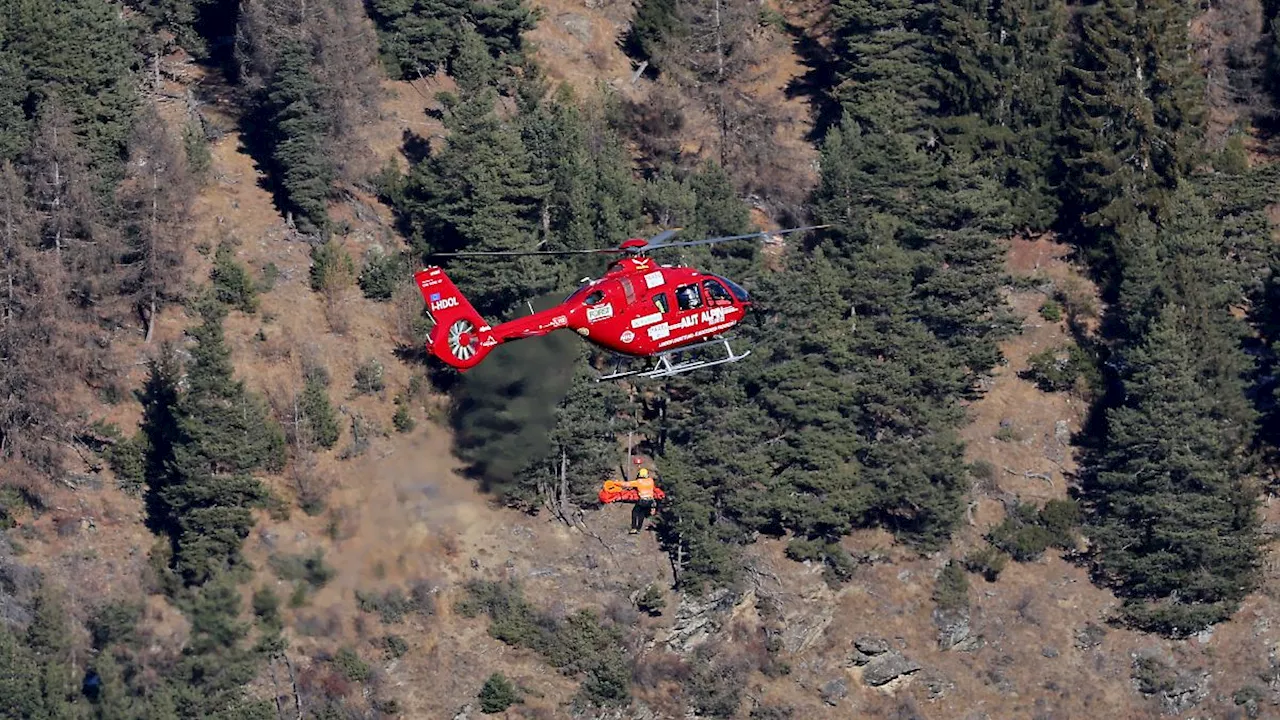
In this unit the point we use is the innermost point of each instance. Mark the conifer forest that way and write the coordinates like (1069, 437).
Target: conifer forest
(1006, 445)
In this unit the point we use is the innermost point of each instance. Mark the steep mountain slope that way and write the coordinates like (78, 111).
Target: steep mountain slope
(399, 515)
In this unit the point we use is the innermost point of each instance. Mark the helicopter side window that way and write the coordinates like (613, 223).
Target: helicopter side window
(661, 301)
(716, 294)
(688, 297)
(594, 298)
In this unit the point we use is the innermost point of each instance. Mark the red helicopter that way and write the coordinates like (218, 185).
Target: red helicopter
(638, 309)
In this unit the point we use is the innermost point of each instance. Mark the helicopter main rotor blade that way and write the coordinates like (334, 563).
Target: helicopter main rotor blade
(709, 241)
(657, 239)
(477, 253)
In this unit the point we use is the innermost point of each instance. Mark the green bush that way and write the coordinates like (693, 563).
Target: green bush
(497, 694)
(115, 623)
(368, 378)
(309, 568)
(986, 561)
(128, 460)
(381, 275)
(651, 601)
(1063, 368)
(331, 267)
(232, 285)
(321, 420)
(402, 420)
(837, 565)
(266, 607)
(1051, 310)
(395, 646)
(578, 645)
(348, 662)
(951, 590)
(391, 605)
(1027, 532)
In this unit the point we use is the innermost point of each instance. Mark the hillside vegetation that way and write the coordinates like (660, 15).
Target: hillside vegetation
(1005, 446)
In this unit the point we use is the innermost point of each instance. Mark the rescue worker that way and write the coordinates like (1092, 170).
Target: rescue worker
(644, 504)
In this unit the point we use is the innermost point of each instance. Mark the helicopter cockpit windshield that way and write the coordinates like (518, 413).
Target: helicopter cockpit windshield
(734, 288)
(581, 294)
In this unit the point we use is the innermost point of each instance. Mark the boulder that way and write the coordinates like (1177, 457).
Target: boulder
(867, 647)
(888, 667)
(835, 691)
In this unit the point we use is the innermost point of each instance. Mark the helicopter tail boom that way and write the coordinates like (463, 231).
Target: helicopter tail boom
(461, 337)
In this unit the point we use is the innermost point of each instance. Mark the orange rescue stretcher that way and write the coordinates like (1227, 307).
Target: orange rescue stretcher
(614, 492)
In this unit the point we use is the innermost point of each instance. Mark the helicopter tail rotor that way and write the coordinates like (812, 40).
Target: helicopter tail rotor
(461, 337)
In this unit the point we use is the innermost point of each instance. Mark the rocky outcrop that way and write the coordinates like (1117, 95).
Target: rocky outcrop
(698, 618)
(955, 632)
(1189, 689)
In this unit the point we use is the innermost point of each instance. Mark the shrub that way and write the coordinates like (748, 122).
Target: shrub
(266, 606)
(497, 694)
(651, 601)
(318, 412)
(231, 282)
(1051, 311)
(368, 378)
(381, 275)
(348, 662)
(578, 645)
(331, 267)
(115, 622)
(987, 561)
(395, 646)
(837, 565)
(1027, 532)
(402, 420)
(1063, 368)
(390, 605)
(128, 460)
(309, 568)
(951, 590)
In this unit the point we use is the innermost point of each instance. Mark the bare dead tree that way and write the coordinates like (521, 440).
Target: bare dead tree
(156, 196)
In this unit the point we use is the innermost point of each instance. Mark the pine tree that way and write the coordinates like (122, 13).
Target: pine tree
(298, 132)
(883, 62)
(420, 37)
(1131, 115)
(478, 193)
(79, 52)
(13, 90)
(999, 93)
(654, 22)
(49, 641)
(211, 676)
(221, 434)
(1174, 525)
(62, 184)
(113, 699)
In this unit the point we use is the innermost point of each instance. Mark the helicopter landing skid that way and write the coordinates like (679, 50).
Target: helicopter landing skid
(666, 368)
